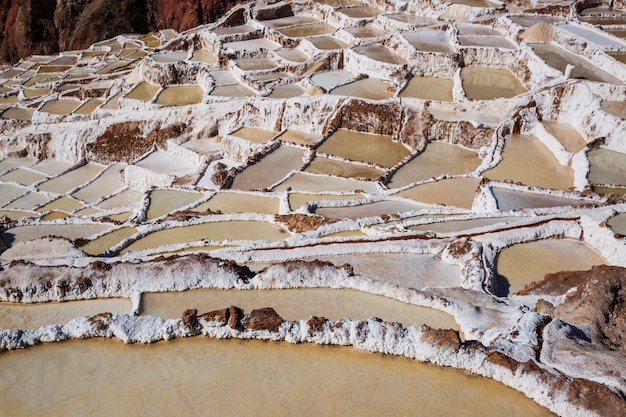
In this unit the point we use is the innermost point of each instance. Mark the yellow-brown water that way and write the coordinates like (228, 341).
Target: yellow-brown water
(459, 192)
(366, 147)
(566, 134)
(270, 169)
(215, 231)
(229, 202)
(323, 165)
(369, 88)
(522, 264)
(525, 159)
(181, 95)
(429, 88)
(105, 242)
(198, 375)
(33, 316)
(437, 159)
(483, 83)
(166, 201)
(296, 304)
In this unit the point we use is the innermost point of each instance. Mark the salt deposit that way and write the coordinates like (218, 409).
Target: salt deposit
(313, 157)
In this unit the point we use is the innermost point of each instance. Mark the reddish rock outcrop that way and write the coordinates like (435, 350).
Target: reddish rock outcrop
(46, 27)
(263, 319)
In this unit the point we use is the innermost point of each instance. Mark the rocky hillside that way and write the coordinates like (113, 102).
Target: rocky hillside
(46, 27)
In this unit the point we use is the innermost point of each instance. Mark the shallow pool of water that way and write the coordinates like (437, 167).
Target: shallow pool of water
(254, 134)
(183, 95)
(381, 53)
(22, 176)
(106, 377)
(251, 44)
(327, 43)
(270, 169)
(252, 64)
(28, 201)
(366, 147)
(296, 304)
(9, 191)
(89, 106)
(297, 200)
(607, 167)
(72, 179)
(367, 210)
(429, 88)
(483, 83)
(617, 223)
(302, 181)
(204, 56)
(107, 183)
(229, 202)
(369, 88)
(365, 32)
(33, 316)
(233, 90)
(525, 159)
(298, 137)
(328, 166)
(429, 40)
(124, 198)
(458, 192)
(168, 57)
(144, 91)
(63, 203)
(215, 231)
(293, 55)
(524, 263)
(437, 159)
(486, 42)
(18, 113)
(165, 201)
(287, 91)
(331, 79)
(558, 58)
(566, 134)
(513, 200)
(311, 29)
(360, 12)
(70, 231)
(61, 107)
(101, 244)
(451, 226)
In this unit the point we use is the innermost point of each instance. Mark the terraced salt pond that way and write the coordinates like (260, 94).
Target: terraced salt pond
(294, 304)
(527, 160)
(521, 264)
(215, 231)
(436, 159)
(483, 83)
(120, 373)
(376, 149)
(33, 316)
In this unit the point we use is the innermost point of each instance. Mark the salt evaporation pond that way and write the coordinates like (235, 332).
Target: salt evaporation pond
(69, 231)
(436, 159)
(270, 169)
(103, 243)
(229, 202)
(183, 95)
(429, 88)
(527, 160)
(459, 192)
(23, 176)
(369, 88)
(607, 167)
(33, 316)
(515, 199)
(521, 264)
(484, 83)
(359, 146)
(302, 181)
(366, 210)
(295, 304)
(215, 231)
(617, 223)
(165, 201)
(106, 377)
(328, 166)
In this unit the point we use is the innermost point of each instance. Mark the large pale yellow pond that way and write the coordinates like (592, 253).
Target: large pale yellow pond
(207, 377)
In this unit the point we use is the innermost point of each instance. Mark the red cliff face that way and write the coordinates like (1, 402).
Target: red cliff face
(46, 27)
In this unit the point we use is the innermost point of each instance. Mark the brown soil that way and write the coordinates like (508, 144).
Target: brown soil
(125, 142)
(298, 222)
(263, 319)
